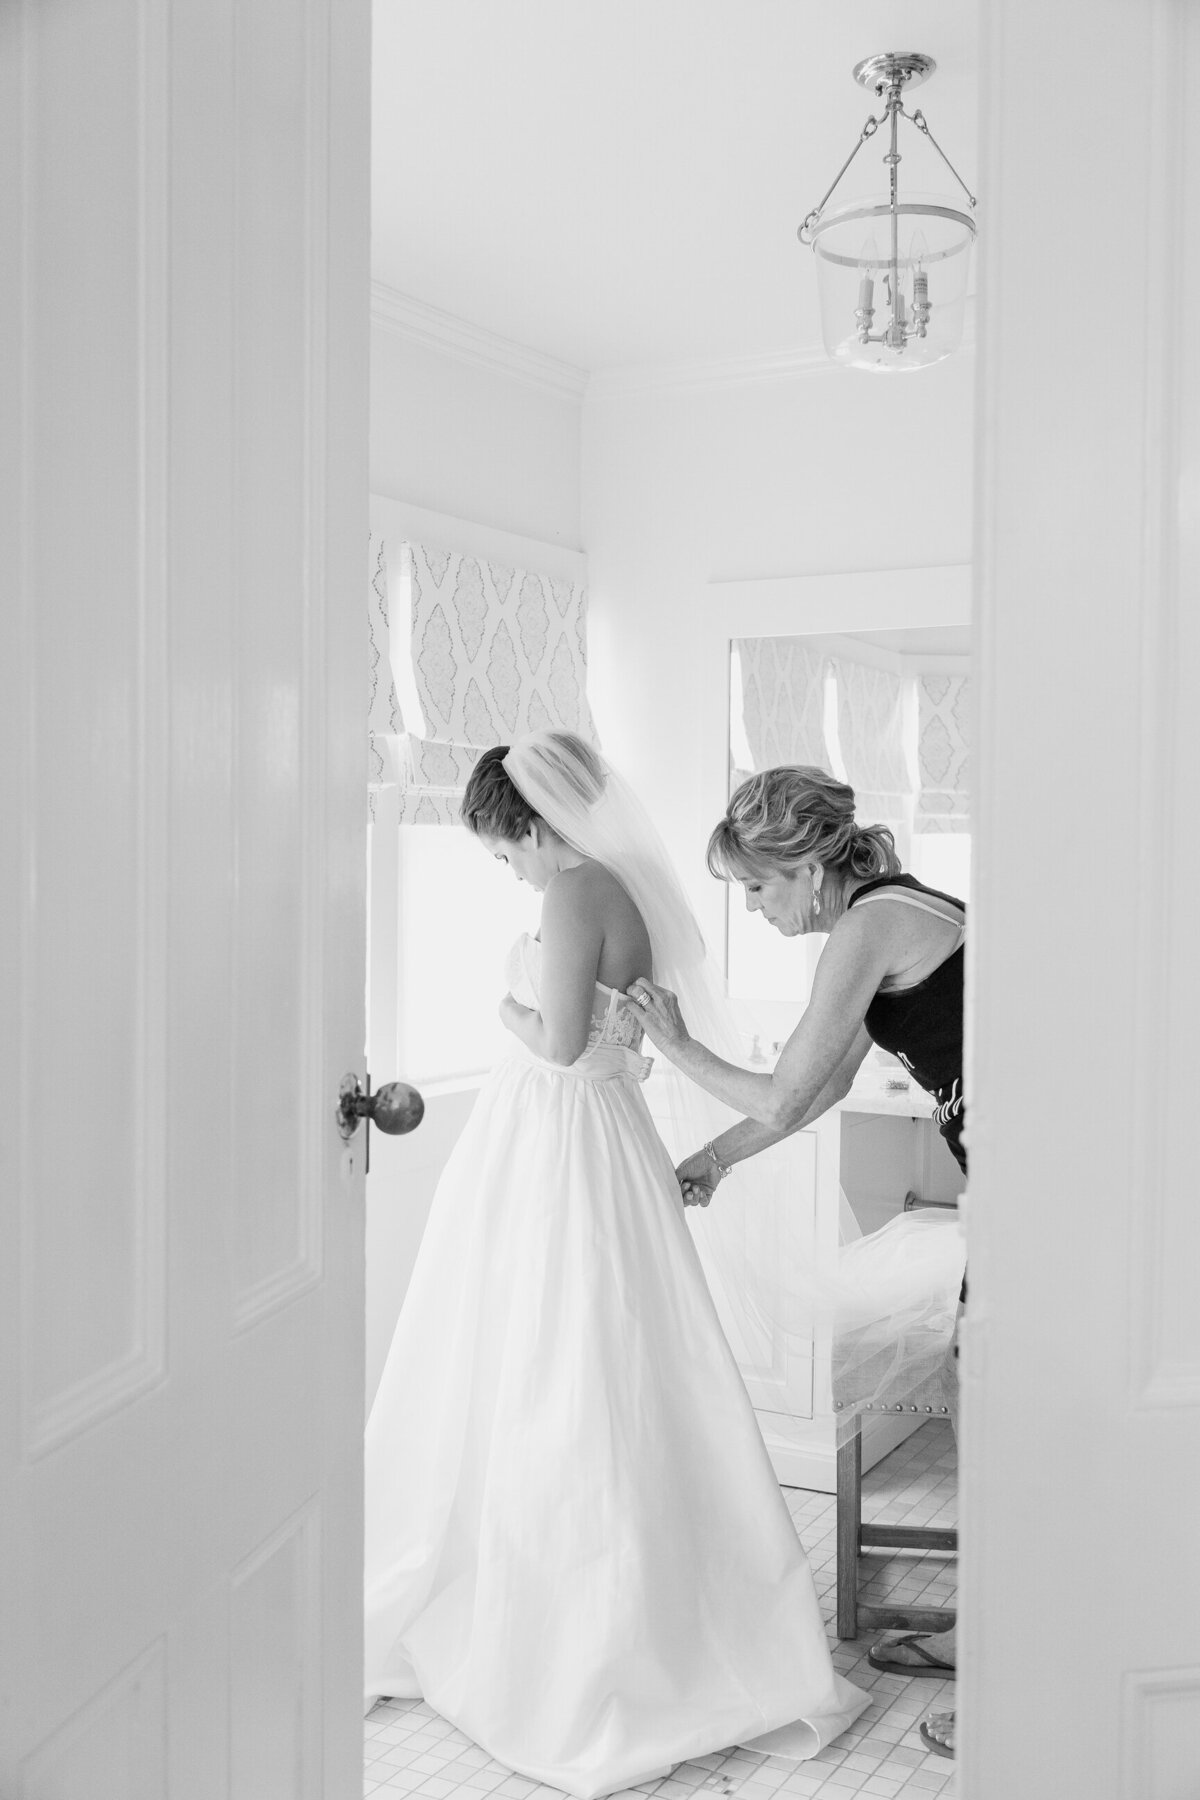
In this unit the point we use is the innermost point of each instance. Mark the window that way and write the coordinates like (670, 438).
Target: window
(458, 913)
(469, 647)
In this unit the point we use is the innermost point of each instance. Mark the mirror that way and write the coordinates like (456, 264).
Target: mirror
(887, 711)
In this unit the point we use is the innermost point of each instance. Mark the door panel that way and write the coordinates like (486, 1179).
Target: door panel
(89, 737)
(184, 328)
(1081, 1344)
(113, 1747)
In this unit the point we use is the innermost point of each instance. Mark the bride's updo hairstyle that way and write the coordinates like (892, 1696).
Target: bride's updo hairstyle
(494, 806)
(791, 815)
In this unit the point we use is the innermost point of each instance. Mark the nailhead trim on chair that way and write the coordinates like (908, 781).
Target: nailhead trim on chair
(870, 1406)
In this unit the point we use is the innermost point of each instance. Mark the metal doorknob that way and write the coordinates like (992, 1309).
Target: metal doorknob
(395, 1108)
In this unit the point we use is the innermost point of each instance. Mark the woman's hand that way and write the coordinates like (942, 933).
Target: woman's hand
(697, 1177)
(510, 1012)
(661, 1016)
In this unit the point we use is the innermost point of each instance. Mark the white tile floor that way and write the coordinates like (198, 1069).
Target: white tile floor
(410, 1750)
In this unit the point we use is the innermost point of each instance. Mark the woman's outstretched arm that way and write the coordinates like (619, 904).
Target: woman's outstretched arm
(748, 1136)
(854, 962)
(698, 1176)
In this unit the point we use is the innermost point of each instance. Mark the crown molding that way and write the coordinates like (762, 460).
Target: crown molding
(421, 323)
(722, 372)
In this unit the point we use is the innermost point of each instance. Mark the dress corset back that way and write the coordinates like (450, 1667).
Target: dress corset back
(615, 1025)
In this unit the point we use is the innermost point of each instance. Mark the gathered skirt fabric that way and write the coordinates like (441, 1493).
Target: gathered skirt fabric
(576, 1547)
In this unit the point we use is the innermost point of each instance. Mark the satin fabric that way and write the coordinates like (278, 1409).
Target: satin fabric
(577, 1550)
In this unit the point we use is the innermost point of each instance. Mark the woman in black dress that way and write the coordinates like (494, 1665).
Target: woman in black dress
(891, 974)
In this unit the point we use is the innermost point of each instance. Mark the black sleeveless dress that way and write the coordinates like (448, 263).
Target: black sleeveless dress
(923, 1025)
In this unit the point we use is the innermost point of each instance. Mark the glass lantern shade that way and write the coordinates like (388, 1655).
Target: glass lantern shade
(892, 282)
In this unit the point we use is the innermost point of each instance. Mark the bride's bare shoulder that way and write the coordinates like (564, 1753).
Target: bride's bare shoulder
(593, 889)
(591, 884)
(588, 906)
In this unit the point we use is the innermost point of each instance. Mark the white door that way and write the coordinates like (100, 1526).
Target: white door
(1080, 1650)
(183, 331)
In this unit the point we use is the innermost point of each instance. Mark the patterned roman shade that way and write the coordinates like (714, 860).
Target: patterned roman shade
(943, 801)
(494, 651)
(384, 724)
(870, 704)
(783, 702)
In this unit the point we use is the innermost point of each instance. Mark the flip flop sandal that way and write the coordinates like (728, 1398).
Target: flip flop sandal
(946, 1721)
(911, 1641)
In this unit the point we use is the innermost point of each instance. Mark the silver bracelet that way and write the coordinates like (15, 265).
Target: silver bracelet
(721, 1168)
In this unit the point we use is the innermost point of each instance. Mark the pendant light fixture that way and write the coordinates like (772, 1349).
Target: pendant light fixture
(892, 271)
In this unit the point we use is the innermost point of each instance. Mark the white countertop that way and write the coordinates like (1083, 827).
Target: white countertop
(871, 1094)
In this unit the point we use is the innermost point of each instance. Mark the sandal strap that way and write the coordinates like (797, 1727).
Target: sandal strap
(911, 1640)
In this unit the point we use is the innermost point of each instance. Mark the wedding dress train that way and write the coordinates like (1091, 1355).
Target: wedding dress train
(577, 1549)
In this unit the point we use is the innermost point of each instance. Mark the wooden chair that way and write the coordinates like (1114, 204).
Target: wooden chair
(853, 1537)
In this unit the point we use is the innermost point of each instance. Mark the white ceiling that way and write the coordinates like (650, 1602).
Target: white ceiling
(616, 182)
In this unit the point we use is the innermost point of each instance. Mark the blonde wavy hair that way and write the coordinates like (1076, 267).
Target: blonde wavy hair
(792, 815)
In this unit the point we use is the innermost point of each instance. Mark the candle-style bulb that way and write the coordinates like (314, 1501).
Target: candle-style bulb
(918, 254)
(868, 256)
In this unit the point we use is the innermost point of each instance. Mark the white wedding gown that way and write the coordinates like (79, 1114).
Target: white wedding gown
(576, 1547)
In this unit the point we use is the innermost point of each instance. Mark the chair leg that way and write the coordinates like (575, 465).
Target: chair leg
(849, 1523)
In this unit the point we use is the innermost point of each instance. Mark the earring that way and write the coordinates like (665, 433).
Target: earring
(816, 900)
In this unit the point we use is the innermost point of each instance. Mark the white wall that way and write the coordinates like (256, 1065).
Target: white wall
(802, 474)
(471, 441)
(668, 488)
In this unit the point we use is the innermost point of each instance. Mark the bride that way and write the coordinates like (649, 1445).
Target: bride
(577, 1550)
